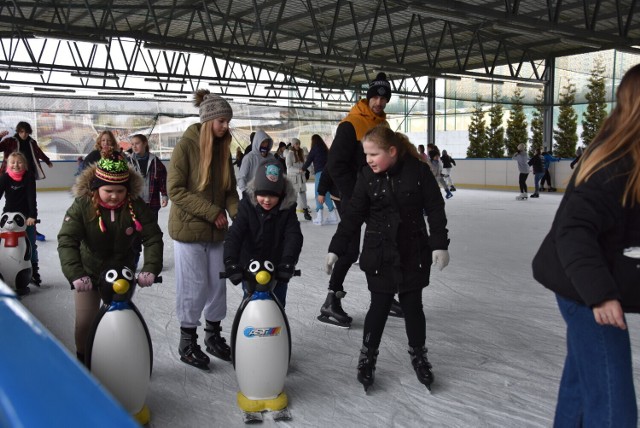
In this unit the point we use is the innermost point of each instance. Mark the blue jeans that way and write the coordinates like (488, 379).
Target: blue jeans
(280, 291)
(596, 389)
(536, 180)
(31, 235)
(327, 197)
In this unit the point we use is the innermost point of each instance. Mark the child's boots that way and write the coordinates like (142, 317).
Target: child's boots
(190, 351)
(216, 344)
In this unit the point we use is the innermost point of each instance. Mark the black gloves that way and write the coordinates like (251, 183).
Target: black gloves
(284, 272)
(234, 273)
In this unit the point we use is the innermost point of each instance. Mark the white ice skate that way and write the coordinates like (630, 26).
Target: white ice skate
(522, 197)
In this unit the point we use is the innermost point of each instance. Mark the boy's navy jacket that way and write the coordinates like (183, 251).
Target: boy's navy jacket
(273, 235)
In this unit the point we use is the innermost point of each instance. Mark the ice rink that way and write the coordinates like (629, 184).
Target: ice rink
(495, 336)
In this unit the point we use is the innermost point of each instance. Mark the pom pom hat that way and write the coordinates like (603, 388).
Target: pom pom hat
(269, 179)
(380, 87)
(111, 169)
(211, 106)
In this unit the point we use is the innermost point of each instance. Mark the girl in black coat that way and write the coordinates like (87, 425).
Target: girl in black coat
(397, 250)
(591, 260)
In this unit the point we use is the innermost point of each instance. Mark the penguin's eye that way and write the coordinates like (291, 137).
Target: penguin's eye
(128, 275)
(111, 275)
(254, 266)
(269, 266)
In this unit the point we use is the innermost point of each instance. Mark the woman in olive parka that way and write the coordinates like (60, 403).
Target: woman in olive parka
(100, 230)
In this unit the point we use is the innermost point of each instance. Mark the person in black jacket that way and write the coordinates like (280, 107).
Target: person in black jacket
(591, 260)
(397, 251)
(447, 165)
(537, 164)
(266, 228)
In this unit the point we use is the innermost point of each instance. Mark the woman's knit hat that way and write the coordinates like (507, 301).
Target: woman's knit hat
(380, 87)
(211, 106)
(269, 179)
(111, 169)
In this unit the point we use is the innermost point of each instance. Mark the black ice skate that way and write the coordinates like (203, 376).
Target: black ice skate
(367, 367)
(422, 366)
(331, 311)
(35, 275)
(552, 189)
(396, 310)
(216, 344)
(190, 351)
(307, 214)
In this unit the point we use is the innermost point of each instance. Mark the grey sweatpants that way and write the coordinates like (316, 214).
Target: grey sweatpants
(199, 288)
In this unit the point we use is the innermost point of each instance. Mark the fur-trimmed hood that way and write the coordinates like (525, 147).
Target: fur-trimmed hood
(290, 196)
(82, 186)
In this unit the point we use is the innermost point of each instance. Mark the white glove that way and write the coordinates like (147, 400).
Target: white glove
(440, 258)
(82, 284)
(145, 279)
(329, 261)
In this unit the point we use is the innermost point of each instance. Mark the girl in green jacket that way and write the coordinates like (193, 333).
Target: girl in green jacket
(101, 229)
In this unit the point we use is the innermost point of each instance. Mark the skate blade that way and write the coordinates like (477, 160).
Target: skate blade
(217, 354)
(252, 417)
(325, 319)
(281, 415)
(396, 315)
(198, 366)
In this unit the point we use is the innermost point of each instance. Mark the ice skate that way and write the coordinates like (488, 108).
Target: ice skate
(332, 217)
(332, 313)
(422, 366)
(521, 197)
(535, 195)
(367, 367)
(452, 188)
(396, 309)
(552, 189)
(307, 214)
(190, 351)
(318, 220)
(216, 344)
(35, 275)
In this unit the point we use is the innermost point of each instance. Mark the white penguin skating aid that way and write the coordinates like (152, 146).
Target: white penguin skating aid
(119, 350)
(261, 346)
(15, 252)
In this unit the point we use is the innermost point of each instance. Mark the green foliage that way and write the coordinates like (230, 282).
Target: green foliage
(517, 123)
(596, 112)
(495, 132)
(566, 135)
(477, 133)
(537, 125)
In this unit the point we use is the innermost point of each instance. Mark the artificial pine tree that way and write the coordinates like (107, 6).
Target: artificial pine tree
(477, 133)
(517, 124)
(495, 132)
(597, 104)
(537, 125)
(566, 135)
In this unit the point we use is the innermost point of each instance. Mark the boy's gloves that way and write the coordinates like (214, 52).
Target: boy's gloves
(82, 284)
(234, 273)
(440, 258)
(329, 261)
(145, 279)
(284, 272)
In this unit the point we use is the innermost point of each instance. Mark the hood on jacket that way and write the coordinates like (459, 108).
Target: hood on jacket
(82, 186)
(363, 118)
(258, 139)
(289, 199)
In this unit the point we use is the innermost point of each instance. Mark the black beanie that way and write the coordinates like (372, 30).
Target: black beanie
(269, 179)
(380, 87)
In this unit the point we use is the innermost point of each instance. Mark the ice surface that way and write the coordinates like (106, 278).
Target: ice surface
(495, 336)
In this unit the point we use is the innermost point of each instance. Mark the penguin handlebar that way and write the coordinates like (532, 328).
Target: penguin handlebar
(223, 275)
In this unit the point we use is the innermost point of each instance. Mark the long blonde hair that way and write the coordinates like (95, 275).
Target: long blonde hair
(219, 158)
(618, 138)
(385, 138)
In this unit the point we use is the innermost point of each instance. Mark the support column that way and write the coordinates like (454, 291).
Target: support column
(549, 89)
(431, 111)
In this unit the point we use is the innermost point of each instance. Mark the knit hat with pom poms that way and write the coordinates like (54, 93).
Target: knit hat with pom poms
(211, 106)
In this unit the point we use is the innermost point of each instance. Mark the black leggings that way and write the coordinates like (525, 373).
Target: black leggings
(546, 178)
(522, 180)
(414, 321)
(344, 263)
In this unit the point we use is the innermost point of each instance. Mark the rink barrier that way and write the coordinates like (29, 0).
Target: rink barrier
(498, 174)
(41, 384)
